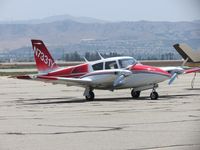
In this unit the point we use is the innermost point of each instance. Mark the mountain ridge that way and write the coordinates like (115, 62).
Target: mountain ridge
(55, 18)
(69, 35)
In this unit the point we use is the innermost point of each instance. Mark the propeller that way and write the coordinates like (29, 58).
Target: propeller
(120, 78)
(174, 76)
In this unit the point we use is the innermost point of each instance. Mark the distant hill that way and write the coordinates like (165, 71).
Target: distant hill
(54, 19)
(83, 34)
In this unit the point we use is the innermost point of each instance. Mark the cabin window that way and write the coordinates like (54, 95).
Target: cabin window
(111, 65)
(98, 66)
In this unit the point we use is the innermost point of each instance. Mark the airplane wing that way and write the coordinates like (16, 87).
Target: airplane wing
(58, 80)
(81, 82)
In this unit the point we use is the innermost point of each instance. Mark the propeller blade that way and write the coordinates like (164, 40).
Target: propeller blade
(120, 78)
(118, 81)
(172, 78)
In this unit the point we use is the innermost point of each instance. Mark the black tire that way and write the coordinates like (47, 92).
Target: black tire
(154, 95)
(90, 97)
(135, 94)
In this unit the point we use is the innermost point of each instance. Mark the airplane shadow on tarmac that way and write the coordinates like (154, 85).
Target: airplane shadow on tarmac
(65, 100)
(193, 89)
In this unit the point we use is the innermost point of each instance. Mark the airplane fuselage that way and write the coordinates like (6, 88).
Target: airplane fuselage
(137, 75)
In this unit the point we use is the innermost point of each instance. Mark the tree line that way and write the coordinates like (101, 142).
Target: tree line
(91, 56)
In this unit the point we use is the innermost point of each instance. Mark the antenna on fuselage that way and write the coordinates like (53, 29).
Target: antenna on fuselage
(85, 59)
(100, 55)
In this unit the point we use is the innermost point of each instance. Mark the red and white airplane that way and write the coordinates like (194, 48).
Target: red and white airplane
(106, 74)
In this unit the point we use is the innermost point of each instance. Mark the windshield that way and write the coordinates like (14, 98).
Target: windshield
(126, 62)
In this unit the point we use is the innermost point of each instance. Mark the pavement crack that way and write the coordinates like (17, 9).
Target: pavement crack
(104, 129)
(166, 146)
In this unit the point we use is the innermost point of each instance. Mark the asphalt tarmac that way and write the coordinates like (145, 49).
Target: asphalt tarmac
(41, 116)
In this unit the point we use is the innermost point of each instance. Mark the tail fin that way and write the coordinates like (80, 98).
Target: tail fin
(186, 52)
(43, 58)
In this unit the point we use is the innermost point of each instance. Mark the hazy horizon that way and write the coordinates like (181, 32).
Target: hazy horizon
(107, 21)
(126, 10)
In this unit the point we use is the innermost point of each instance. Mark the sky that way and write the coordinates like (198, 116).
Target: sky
(110, 10)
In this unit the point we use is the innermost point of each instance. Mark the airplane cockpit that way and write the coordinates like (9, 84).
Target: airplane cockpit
(113, 63)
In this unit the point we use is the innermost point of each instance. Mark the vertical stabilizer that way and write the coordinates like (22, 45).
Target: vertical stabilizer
(43, 58)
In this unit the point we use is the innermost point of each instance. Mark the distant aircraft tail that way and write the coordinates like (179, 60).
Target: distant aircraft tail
(43, 58)
(187, 53)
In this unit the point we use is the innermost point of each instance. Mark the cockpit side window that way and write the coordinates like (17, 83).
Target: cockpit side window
(111, 65)
(98, 66)
(123, 63)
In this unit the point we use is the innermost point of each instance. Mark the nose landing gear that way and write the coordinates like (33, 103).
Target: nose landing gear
(154, 95)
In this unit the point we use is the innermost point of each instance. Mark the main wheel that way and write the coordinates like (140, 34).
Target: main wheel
(135, 94)
(154, 95)
(90, 97)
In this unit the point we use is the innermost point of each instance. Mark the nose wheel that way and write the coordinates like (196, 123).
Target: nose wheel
(90, 96)
(154, 95)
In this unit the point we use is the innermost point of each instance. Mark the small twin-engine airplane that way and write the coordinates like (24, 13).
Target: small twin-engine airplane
(106, 74)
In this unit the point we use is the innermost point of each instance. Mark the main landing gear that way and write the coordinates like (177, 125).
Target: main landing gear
(135, 94)
(90, 96)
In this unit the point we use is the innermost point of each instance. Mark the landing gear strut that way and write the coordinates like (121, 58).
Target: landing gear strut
(135, 94)
(89, 94)
(154, 95)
